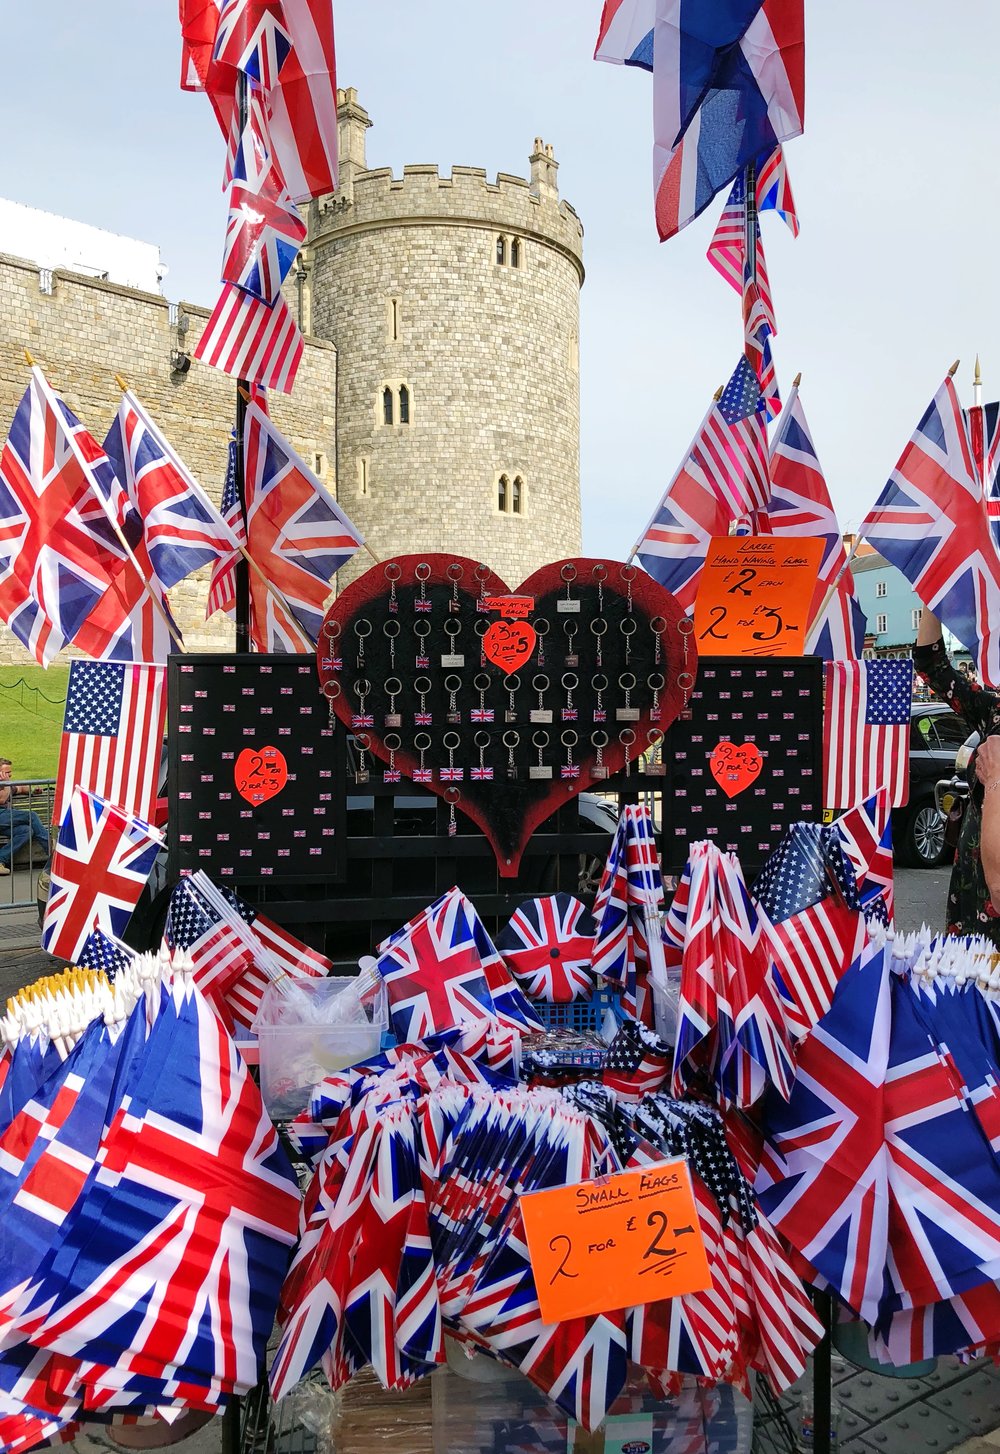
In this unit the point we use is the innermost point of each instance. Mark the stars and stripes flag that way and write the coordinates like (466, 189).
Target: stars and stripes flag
(113, 729)
(724, 476)
(222, 587)
(433, 971)
(101, 952)
(265, 230)
(548, 944)
(296, 533)
(637, 1063)
(219, 953)
(866, 731)
(983, 421)
(59, 556)
(252, 340)
(800, 505)
(931, 522)
(102, 860)
(182, 529)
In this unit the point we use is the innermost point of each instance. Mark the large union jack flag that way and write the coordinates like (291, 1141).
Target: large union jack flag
(102, 861)
(252, 38)
(59, 556)
(265, 230)
(800, 505)
(549, 943)
(433, 971)
(931, 523)
(296, 533)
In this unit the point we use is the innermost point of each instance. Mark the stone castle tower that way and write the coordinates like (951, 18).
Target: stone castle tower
(453, 304)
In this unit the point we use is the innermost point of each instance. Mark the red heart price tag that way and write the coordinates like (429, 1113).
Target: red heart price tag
(260, 774)
(509, 644)
(735, 766)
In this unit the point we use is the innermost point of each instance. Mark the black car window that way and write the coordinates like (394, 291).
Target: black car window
(950, 729)
(919, 729)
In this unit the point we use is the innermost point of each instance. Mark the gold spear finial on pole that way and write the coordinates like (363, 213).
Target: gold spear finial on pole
(954, 368)
(796, 381)
(28, 359)
(121, 383)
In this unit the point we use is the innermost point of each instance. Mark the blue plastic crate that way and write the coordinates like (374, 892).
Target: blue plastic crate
(583, 1016)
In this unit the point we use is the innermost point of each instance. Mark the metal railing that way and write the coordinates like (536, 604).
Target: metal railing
(25, 824)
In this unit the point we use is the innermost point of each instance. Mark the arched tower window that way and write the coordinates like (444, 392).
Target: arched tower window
(387, 414)
(515, 253)
(404, 404)
(503, 494)
(501, 250)
(517, 495)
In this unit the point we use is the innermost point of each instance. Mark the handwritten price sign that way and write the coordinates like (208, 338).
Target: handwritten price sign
(756, 595)
(619, 1242)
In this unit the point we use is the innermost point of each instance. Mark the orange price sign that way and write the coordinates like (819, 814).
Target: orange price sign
(757, 595)
(618, 1242)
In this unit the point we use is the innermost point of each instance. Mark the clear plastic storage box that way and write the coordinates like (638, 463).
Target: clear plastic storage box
(304, 1034)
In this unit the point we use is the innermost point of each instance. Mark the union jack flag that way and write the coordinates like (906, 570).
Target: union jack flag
(983, 422)
(433, 971)
(548, 943)
(800, 505)
(182, 529)
(626, 909)
(931, 523)
(252, 38)
(102, 861)
(481, 714)
(59, 556)
(724, 476)
(222, 588)
(452, 774)
(866, 833)
(265, 231)
(481, 774)
(296, 533)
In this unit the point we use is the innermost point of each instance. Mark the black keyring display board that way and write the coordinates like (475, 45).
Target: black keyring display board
(775, 706)
(289, 822)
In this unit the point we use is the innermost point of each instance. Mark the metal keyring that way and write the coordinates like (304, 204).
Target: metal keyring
(391, 628)
(654, 737)
(569, 738)
(656, 681)
(600, 571)
(571, 627)
(422, 571)
(363, 621)
(685, 625)
(629, 572)
(569, 571)
(481, 625)
(482, 681)
(685, 681)
(393, 571)
(455, 572)
(599, 739)
(453, 683)
(451, 795)
(598, 626)
(451, 740)
(627, 625)
(482, 739)
(392, 686)
(332, 690)
(362, 688)
(422, 685)
(570, 681)
(393, 741)
(540, 739)
(512, 683)
(626, 737)
(333, 628)
(511, 738)
(422, 741)
(363, 741)
(421, 627)
(541, 626)
(540, 683)
(658, 625)
(599, 682)
(452, 627)
(627, 681)
(481, 572)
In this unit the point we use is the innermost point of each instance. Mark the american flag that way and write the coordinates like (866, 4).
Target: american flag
(59, 557)
(280, 949)
(433, 971)
(182, 529)
(866, 731)
(747, 272)
(222, 588)
(219, 953)
(252, 340)
(548, 944)
(296, 534)
(637, 1063)
(724, 477)
(931, 523)
(102, 860)
(113, 730)
(265, 230)
(101, 952)
(800, 505)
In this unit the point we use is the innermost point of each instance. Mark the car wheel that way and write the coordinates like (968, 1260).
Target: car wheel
(923, 843)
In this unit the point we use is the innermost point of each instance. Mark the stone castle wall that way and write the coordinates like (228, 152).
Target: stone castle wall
(87, 330)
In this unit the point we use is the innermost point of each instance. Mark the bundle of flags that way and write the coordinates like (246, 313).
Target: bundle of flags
(142, 1187)
(627, 948)
(235, 952)
(278, 57)
(932, 521)
(881, 1169)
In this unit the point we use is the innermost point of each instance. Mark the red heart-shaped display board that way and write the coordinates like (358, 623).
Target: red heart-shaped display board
(735, 766)
(411, 664)
(260, 774)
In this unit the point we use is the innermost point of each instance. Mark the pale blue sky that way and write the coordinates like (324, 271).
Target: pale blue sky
(889, 282)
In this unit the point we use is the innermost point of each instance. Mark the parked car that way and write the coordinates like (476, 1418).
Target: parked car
(918, 830)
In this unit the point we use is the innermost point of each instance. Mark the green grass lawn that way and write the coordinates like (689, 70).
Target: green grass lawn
(31, 713)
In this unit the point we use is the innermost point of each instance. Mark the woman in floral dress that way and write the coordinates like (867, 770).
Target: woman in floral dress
(970, 910)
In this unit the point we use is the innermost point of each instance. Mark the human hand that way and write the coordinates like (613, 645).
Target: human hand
(988, 763)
